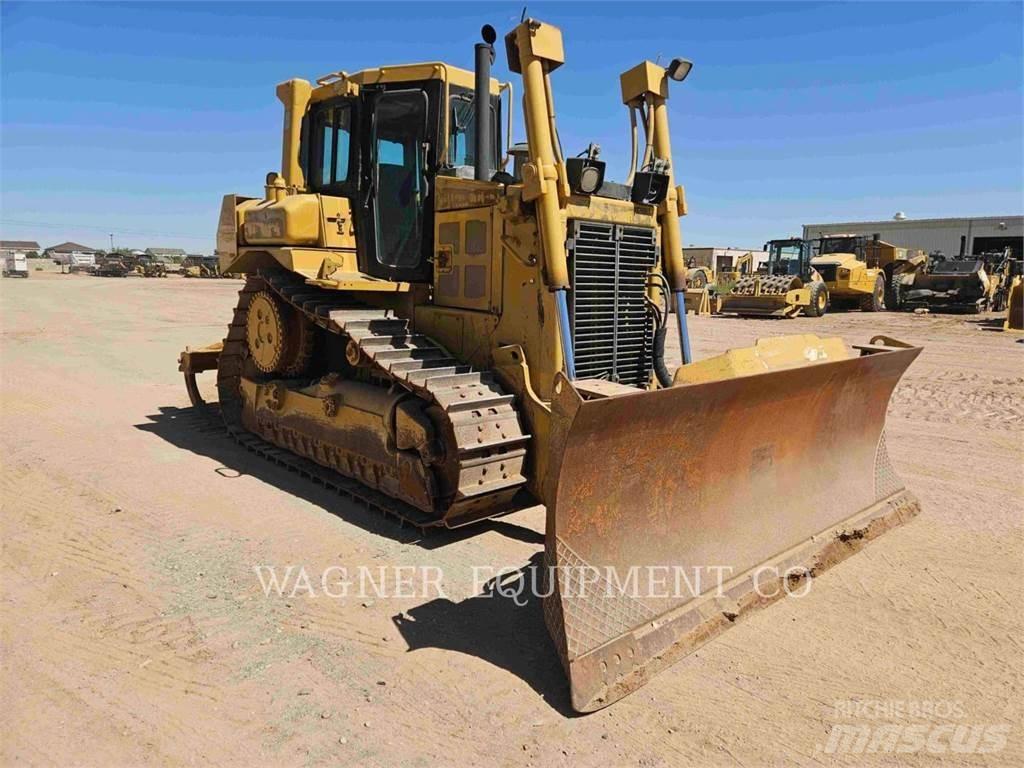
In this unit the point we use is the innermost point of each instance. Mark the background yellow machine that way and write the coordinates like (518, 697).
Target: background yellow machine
(1008, 293)
(446, 341)
(726, 279)
(786, 287)
(1005, 273)
(1014, 305)
(861, 272)
(200, 266)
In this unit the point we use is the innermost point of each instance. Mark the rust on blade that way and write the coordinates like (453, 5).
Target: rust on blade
(721, 482)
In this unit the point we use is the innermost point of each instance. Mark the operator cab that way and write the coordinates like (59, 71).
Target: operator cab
(835, 244)
(383, 147)
(381, 138)
(790, 257)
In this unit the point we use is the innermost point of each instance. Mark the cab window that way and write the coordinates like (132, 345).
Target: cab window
(462, 128)
(332, 134)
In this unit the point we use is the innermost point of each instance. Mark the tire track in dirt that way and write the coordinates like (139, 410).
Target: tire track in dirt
(116, 624)
(959, 397)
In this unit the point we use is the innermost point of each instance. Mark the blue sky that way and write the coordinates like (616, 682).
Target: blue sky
(137, 118)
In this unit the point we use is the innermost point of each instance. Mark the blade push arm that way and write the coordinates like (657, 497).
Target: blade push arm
(645, 89)
(534, 50)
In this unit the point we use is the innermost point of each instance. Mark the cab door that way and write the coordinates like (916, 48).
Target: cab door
(397, 197)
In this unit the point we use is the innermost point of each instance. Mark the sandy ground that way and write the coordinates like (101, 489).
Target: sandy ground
(135, 630)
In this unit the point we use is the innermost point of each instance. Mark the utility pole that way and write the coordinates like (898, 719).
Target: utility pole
(111, 242)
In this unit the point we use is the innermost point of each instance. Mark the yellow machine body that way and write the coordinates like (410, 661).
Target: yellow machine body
(726, 279)
(513, 355)
(853, 279)
(1004, 288)
(863, 278)
(786, 285)
(1015, 305)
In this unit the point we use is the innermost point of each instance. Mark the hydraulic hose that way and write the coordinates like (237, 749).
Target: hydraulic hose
(661, 371)
(634, 146)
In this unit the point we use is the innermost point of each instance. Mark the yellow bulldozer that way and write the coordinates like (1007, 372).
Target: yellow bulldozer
(446, 339)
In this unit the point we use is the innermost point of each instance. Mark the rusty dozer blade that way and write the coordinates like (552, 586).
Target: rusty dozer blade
(672, 513)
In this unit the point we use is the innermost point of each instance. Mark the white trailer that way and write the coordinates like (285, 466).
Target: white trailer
(15, 264)
(77, 261)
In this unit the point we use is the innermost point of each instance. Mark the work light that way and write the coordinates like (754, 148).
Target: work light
(678, 69)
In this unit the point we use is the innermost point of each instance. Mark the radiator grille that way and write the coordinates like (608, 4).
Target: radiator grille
(612, 327)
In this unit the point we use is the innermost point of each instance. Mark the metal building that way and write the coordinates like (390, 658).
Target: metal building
(975, 235)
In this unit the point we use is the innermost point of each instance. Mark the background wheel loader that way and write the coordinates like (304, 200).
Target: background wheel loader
(446, 342)
(788, 286)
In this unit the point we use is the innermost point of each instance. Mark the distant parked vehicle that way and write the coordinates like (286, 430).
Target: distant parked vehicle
(948, 285)
(111, 268)
(200, 266)
(153, 269)
(15, 264)
(77, 263)
(788, 285)
(863, 272)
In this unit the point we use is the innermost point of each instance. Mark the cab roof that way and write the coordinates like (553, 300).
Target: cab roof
(340, 83)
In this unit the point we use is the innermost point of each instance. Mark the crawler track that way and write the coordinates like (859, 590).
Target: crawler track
(483, 426)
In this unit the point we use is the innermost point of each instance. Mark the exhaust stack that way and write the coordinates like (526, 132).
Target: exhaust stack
(484, 144)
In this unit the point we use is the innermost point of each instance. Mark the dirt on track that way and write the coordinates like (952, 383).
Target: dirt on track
(136, 631)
